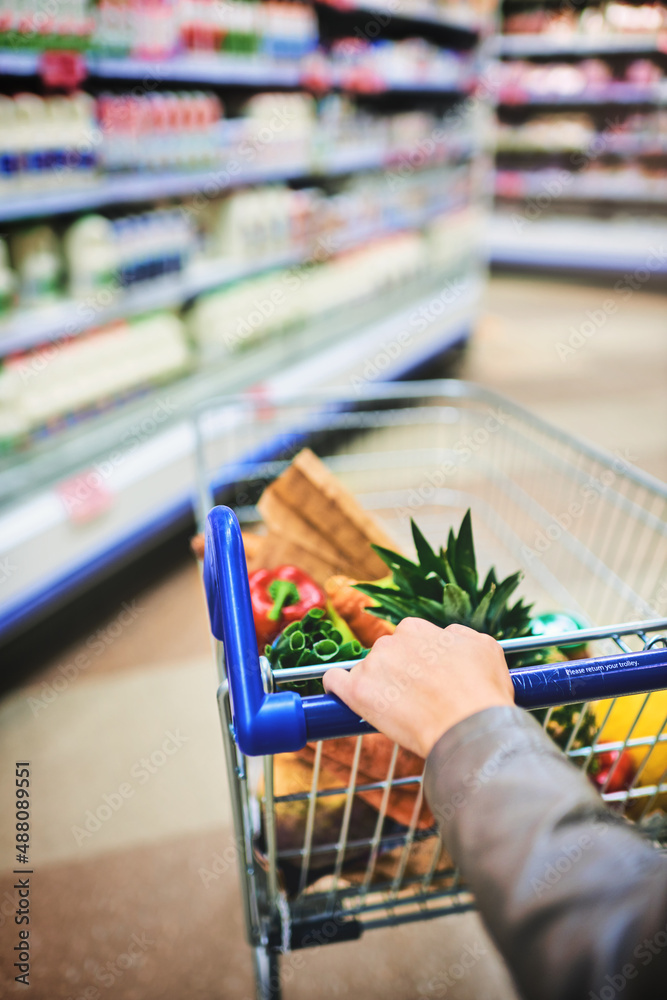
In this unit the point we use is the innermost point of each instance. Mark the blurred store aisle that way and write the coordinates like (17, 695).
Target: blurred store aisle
(588, 358)
(144, 906)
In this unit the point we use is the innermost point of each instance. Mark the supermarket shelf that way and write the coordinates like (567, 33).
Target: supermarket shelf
(19, 63)
(249, 71)
(514, 186)
(137, 188)
(452, 89)
(32, 327)
(575, 243)
(525, 46)
(149, 187)
(596, 146)
(614, 93)
(152, 489)
(360, 82)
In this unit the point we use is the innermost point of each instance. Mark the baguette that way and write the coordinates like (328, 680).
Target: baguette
(275, 550)
(332, 512)
(283, 520)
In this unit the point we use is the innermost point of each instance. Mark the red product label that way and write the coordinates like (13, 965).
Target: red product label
(62, 69)
(264, 410)
(85, 496)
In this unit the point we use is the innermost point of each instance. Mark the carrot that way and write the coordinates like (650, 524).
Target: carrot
(351, 605)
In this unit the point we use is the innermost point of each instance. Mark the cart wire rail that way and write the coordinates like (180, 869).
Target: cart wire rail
(588, 529)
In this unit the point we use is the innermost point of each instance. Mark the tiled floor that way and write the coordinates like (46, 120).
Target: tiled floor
(123, 908)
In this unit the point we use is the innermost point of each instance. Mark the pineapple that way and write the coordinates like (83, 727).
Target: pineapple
(443, 588)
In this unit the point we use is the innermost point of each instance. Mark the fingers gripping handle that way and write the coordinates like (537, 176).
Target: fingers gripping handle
(263, 723)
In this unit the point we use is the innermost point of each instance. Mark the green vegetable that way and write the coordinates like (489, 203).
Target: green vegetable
(443, 588)
(312, 641)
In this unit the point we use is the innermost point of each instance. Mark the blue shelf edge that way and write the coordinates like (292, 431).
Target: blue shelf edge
(534, 257)
(42, 600)
(47, 598)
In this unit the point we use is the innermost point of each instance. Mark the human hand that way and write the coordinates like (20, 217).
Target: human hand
(416, 684)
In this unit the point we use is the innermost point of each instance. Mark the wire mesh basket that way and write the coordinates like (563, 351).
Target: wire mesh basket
(335, 836)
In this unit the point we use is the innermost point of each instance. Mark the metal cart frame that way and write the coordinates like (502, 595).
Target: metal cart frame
(588, 529)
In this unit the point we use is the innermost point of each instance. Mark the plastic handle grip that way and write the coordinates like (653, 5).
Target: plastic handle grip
(283, 721)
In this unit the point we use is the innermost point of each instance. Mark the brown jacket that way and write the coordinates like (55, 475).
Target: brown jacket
(575, 899)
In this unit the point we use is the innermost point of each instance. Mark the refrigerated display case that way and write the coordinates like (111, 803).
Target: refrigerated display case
(322, 183)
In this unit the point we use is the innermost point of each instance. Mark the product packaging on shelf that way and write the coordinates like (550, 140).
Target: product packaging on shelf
(31, 25)
(46, 143)
(42, 387)
(163, 29)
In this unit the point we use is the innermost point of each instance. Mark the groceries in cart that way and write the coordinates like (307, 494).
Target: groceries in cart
(326, 581)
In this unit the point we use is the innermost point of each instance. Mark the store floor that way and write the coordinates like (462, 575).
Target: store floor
(144, 907)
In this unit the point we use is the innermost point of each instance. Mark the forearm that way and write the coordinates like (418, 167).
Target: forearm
(569, 892)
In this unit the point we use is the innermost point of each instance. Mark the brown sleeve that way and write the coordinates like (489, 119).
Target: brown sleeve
(575, 899)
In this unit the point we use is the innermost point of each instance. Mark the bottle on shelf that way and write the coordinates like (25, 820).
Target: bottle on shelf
(91, 256)
(39, 265)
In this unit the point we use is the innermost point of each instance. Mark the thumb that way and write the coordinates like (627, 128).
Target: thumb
(337, 681)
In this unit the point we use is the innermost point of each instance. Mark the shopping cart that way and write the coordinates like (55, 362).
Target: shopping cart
(587, 528)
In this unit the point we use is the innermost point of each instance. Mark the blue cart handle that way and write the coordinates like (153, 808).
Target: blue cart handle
(283, 721)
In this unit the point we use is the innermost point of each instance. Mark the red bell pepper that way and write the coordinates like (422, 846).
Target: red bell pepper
(280, 596)
(623, 771)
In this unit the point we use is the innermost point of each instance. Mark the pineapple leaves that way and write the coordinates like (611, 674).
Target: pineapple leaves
(456, 604)
(490, 581)
(466, 567)
(498, 603)
(428, 561)
(478, 617)
(451, 548)
(395, 561)
(427, 558)
(442, 587)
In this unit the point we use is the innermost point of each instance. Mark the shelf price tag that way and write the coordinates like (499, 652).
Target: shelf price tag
(63, 69)
(264, 409)
(316, 74)
(85, 496)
